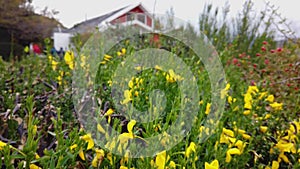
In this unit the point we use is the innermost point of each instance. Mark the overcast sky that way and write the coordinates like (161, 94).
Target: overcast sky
(75, 11)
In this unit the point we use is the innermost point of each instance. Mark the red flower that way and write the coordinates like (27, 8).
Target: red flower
(288, 84)
(279, 49)
(255, 65)
(258, 54)
(263, 71)
(266, 61)
(235, 61)
(272, 51)
(263, 49)
(265, 42)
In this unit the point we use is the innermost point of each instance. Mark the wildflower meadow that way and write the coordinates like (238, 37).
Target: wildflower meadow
(133, 115)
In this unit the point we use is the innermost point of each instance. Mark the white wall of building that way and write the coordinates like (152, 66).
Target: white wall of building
(62, 40)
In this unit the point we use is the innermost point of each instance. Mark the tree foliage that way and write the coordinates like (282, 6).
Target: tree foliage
(22, 25)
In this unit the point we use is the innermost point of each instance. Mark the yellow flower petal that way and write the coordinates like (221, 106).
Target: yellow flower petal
(73, 146)
(263, 129)
(100, 128)
(2, 144)
(270, 98)
(275, 164)
(88, 138)
(232, 151)
(207, 111)
(172, 164)
(109, 112)
(81, 155)
(213, 165)
(190, 149)
(130, 125)
(160, 160)
(33, 166)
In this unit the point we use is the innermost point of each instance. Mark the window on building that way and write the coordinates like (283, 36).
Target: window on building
(141, 18)
(130, 17)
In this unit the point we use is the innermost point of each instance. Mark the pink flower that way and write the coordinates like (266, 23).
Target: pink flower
(263, 49)
(272, 51)
(265, 42)
(258, 54)
(235, 61)
(266, 61)
(279, 49)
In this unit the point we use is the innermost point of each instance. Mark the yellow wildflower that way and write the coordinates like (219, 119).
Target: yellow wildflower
(262, 95)
(247, 112)
(123, 50)
(267, 116)
(88, 138)
(69, 59)
(36, 156)
(98, 158)
(123, 167)
(190, 149)
(172, 164)
(276, 106)
(130, 84)
(108, 113)
(161, 159)
(232, 151)
(224, 92)
(100, 128)
(109, 82)
(263, 129)
(172, 77)
(2, 144)
(252, 90)
(231, 100)
(54, 64)
(124, 137)
(200, 102)
(59, 80)
(33, 166)
(283, 157)
(207, 111)
(240, 145)
(275, 165)
(138, 68)
(246, 136)
(108, 57)
(213, 165)
(128, 97)
(73, 146)
(81, 154)
(248, 101)
(157, 67)
(270, 98)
